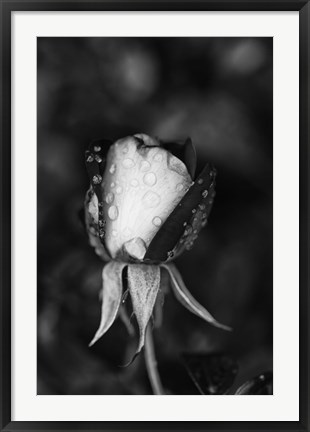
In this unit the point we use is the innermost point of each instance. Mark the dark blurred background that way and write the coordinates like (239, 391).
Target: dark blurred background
(218, 91)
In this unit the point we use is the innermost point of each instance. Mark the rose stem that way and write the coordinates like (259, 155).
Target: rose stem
(151, 363)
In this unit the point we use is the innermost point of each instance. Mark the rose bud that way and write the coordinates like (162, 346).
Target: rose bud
(143, 208)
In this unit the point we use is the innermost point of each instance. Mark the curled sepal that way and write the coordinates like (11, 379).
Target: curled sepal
(144, 283)
(187, 300)
(163, 243)
(93, 229)
(111, 296)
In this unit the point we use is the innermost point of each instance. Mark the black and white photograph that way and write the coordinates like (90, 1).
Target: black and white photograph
(155, 216)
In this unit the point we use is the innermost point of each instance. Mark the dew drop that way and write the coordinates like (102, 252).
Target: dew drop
(112, 185)
(179, 187)
(151, 199)
(90, 158)
(157, 221)
(205, 193)
(112, 168)
(97, 148)
(200, 181)
(114, 233)
(145, 166)
(113, 212)
(134, 183)
(150, 179)
(97, 179)
(194, 211)
(98, 158)
(109, 198)
(135, 248)
(128, 163)
(119, 190)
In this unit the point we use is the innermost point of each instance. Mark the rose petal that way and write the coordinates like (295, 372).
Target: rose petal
(144, 283)
(142, 186)
(185, 152)
(111, 296)
(187, 300)
(171, 231)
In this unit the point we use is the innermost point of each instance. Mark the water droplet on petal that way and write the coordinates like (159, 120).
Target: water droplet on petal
(157, 221)
(113, 212)
(200, 181)
(112, 168)
(90, 158)
(97, 148)
(128, 163)
(134, 183)
(150, 179)
(109, 198)
(98, 158)
(119, 190)
(135, 248)
(179, 187)
(151, 199)
(205, 194)
(97, 179)
(145, 166)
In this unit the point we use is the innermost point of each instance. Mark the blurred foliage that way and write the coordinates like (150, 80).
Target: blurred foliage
(218, 91)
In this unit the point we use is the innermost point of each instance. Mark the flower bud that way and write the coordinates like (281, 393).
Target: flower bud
(141, 185)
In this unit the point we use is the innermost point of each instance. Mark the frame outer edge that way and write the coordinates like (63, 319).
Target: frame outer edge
(304, 164)
(5, 206)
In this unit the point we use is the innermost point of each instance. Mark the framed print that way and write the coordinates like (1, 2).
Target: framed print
(154, 215)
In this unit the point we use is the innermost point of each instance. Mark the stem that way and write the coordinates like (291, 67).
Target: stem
(151, 363)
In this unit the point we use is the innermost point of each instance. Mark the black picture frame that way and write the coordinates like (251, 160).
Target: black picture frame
(7, 7)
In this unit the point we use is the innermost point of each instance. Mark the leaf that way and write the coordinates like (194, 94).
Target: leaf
(212, 374)
(111, 296)
(187, 300)
(260, 385)
(172, 229)
(143, 283)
